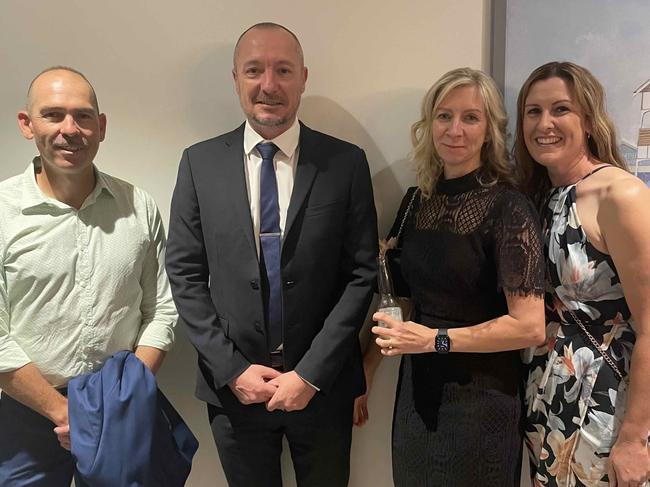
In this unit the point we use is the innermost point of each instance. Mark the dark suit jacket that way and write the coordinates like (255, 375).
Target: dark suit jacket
(328, 264)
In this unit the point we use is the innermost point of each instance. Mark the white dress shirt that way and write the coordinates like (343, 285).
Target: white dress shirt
(76, 286)
(285, 161)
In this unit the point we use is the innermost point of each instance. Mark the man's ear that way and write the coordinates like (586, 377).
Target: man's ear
(234, 80)
(102, 127)
(305, 75)
(25, 124)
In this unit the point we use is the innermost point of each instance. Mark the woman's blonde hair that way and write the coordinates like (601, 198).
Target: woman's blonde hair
(589, 95)
(494, 153)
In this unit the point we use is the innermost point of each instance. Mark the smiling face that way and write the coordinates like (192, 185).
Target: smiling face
(459, 130)
(554, 127)
(269, 78)
(63, 120)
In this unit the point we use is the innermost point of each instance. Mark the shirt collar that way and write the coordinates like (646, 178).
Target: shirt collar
(287, 141)
(32, 196)
(102, 184)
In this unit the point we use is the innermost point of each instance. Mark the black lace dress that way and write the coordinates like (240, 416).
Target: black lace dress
(457, 419)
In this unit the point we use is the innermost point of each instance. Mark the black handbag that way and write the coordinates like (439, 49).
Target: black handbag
(394, 255)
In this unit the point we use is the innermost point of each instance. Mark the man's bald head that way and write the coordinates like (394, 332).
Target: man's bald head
(30, 99)
(269, 75)
(267, 26)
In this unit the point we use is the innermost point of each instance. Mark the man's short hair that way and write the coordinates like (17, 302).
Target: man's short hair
(269, 26)
(93, 95)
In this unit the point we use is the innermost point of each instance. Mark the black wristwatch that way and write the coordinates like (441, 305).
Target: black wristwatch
(443, 343)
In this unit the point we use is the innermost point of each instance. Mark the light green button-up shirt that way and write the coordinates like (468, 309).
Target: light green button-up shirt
(76, 286)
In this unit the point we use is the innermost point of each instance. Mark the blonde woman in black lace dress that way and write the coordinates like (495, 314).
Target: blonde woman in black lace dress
(472, 257)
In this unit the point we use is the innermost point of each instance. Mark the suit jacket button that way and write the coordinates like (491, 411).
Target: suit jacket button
(289, 283)
(255, 283)
(258, 327)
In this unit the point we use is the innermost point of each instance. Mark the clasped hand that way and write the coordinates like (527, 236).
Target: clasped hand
(629, 463)
(62, 429)
(63, 435)
(402, 337)
(283, 392)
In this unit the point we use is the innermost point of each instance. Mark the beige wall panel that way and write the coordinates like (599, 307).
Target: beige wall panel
(161, 70)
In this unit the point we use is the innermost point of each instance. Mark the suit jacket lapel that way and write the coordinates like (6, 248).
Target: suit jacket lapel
(235, 178)
(305, 174)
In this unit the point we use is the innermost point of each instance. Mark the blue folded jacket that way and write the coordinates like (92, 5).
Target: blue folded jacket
(124, 431)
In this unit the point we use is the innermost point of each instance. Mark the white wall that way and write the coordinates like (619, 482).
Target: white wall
(161, 70)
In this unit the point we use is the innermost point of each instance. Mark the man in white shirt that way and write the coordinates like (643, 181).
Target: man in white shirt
(81, 277)
(271, 258)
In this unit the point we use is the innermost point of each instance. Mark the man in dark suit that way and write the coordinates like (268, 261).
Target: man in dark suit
(271, 256)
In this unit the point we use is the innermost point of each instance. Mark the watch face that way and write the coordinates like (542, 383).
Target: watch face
(442, 343)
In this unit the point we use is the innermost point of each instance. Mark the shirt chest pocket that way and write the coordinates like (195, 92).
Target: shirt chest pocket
(123, 253)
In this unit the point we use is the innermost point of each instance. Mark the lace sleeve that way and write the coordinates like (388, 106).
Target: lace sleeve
(400, 213)
(519, 254)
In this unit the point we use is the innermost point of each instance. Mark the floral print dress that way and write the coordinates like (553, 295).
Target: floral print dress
(575, 402)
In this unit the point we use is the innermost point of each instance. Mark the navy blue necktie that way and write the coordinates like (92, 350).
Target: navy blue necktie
(270, 243)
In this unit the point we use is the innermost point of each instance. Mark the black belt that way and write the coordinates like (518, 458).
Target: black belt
(277, 360)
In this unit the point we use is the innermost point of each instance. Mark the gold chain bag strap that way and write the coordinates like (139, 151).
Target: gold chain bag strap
(599, 347)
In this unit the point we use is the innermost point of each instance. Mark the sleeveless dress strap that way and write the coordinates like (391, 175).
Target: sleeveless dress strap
(592, 172)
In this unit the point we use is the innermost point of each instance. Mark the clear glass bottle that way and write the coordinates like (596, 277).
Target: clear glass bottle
(387, 302)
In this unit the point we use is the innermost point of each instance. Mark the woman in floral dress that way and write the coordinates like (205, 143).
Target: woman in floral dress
(588, 411)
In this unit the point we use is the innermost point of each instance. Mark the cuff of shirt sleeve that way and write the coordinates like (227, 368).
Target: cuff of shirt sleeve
(157, 335)
(308, 383)
(12, 357)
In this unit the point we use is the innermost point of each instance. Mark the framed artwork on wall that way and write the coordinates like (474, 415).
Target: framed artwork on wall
(610, 38)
